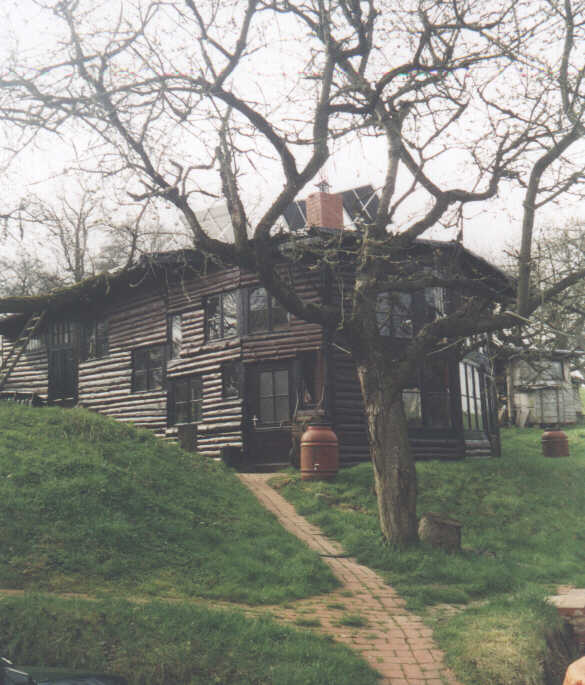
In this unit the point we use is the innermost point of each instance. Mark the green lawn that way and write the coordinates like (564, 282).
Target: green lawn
(161, 643)
(523, 535)
(90, 505)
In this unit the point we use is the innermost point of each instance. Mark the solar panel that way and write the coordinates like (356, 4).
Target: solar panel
(216, 222)
(361, 204)
(295, 215)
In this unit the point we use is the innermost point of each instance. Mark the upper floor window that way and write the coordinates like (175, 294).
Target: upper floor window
(434, 296)
(394, 314)
(221, 315)
(435, 302)
(175, 335)
(148, 366)
(265, 313)
(60, 333)
(94, 341)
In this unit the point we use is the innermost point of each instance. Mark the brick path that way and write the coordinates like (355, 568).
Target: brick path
(394, 641)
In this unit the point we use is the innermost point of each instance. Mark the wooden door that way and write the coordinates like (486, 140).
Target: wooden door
(62, 376)
(63, 362)
(269, 409)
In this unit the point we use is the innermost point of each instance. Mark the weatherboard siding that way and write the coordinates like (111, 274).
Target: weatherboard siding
(30, 374)
(105, 384)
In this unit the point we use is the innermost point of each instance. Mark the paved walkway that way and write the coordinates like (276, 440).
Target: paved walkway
(394, 641)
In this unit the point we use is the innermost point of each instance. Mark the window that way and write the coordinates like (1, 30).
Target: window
(148, 366)
(175, 335)
(394, 314)
(434, 296)
(185, 399)
(221, 315)
(412, 407)
(427, 403)
(436, 396)
(34, 344)
(94, 342)
(231, 380)
(60, 333)
(471, 397)
(435, 302)
(265, 313)
(274, 402)
(310, 371)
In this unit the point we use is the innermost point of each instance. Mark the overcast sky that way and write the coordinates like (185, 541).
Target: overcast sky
(489, 228)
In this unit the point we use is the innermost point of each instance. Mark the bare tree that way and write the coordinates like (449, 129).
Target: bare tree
(462, 99)
(68, 225)
(559, 323)
(26, 275)
(80, 235)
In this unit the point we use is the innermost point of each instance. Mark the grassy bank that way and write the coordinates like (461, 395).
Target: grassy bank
(160, 643)
(88, 505)
(523, 535)
(91, 505)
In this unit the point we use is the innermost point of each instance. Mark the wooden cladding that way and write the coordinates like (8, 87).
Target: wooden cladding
(182, 352)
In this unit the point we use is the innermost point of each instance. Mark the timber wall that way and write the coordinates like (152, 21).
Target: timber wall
(105, 384)
(221, 420)
(30, 375)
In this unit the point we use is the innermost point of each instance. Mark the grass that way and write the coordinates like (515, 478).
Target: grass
(523, 535)
(159, 643)
(91, 505)
(353, 620)
(307, 622)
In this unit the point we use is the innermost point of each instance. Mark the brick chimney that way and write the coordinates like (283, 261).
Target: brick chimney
(325, 210)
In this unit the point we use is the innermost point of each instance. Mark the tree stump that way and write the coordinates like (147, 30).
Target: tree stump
(440, 531)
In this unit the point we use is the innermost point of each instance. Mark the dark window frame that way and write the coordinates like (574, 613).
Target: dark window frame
(149, 369)
(272, 308)
(194, 404)
(428, 400)
(273, 396)
(223, 331)
(395, 314)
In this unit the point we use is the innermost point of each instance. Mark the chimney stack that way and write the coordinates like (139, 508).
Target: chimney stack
(325, 210)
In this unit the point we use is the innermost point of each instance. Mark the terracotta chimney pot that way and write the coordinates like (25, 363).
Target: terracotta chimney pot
(325, 210)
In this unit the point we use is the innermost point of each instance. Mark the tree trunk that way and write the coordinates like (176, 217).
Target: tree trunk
(394, 468)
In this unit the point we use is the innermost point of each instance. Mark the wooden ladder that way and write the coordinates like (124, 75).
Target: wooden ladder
(30, 328)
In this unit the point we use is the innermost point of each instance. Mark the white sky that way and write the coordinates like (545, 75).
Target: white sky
(490, 228)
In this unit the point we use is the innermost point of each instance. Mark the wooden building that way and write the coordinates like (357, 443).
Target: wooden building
(536, 387)
(189, 349)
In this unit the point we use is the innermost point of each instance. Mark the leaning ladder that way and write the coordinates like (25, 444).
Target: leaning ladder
(30, 328)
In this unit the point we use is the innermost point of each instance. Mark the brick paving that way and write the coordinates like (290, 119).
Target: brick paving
(394, 641)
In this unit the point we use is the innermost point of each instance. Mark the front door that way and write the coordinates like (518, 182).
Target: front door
(269, 409)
